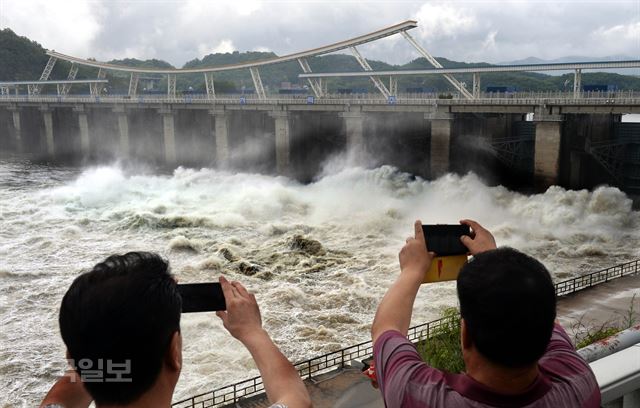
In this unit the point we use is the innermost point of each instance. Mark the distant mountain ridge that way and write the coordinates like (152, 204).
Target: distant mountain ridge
(569, 59)
(23, 59)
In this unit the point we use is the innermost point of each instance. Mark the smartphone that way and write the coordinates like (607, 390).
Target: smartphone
(201, 297)
(444, 240)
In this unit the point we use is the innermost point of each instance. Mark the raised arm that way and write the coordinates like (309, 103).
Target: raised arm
(242, 319)
(394, 311)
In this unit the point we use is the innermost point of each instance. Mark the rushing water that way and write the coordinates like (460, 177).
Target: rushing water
(56, 222)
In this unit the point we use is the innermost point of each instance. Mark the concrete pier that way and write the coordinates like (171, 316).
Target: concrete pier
(222, 137)
(83, 125)
(17, 128)
(353, 123)
(440, 142)
(283, 148)
(47, 118)
(547, 151)
(123, 131)
(169, 133)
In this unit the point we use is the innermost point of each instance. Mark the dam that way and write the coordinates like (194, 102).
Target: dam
(544, 139)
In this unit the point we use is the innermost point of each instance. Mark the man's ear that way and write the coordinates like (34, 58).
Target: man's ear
(173, 357)
(465, 339)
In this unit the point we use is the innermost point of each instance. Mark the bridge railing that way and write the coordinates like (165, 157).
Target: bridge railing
(341, 358)
(442, 98)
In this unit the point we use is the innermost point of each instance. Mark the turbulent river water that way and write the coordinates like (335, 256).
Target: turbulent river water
(56, 222)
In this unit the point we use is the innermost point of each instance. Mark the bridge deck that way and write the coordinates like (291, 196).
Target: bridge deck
(524, 102)
(598, 305)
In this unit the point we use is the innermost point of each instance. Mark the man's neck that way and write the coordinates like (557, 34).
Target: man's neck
(500, 379)
(159, 396)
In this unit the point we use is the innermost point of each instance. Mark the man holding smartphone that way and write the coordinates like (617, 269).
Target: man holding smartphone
(514, 353)
(121, 325)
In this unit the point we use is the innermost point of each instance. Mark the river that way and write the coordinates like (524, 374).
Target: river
(58, 221)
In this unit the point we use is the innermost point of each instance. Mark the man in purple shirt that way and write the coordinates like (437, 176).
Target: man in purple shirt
(514, 353)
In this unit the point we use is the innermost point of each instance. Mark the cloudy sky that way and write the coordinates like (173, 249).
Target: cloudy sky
(177, 31)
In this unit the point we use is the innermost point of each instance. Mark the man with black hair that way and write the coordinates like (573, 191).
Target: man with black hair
(121, 325)
(515, 354)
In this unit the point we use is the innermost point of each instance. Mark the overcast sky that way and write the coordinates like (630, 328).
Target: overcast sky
(178, 31)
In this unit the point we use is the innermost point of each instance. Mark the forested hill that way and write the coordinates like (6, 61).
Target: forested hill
(23, 59)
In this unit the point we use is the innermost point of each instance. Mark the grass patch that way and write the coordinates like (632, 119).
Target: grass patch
(590, 335)
(585, 334)
(441, 349)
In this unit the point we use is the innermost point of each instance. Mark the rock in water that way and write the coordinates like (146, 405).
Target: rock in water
(306, 245)
(228, 255)
(248, 269)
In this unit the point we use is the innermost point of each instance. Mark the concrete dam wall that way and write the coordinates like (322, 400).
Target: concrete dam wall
(517, 149)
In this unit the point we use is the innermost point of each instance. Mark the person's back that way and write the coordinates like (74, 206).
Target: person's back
(515, 355)
(121, 325)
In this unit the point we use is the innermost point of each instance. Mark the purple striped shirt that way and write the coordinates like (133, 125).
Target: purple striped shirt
(565, 379)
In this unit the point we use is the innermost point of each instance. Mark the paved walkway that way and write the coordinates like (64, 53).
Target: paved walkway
(348, 388)
(605, 303)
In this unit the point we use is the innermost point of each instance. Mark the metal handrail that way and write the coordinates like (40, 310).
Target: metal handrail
(340, 358)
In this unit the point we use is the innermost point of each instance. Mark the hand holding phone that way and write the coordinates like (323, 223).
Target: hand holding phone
(480, 240)
(414, 257)
(242, 318)
(451, 253)
(444, 240)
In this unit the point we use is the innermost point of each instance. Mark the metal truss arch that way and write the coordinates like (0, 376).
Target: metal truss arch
(209, 84)
(171, 86)
(133, 84)
(73, 71)
(456, 84)
(365, 65)
(257, 82)
(35, 89)
(341, 45)
(315, 84)
(96, 88)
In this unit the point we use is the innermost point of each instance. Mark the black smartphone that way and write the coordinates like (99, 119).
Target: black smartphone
(201, 297)
(444, 240)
